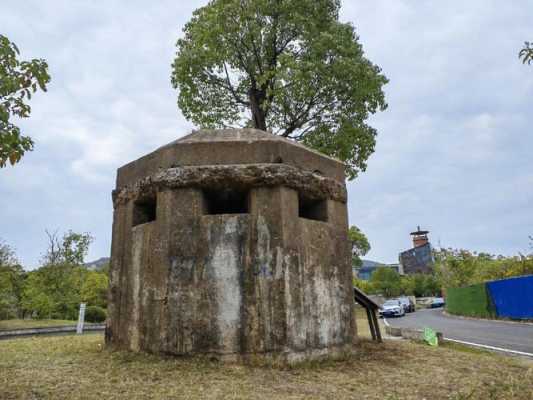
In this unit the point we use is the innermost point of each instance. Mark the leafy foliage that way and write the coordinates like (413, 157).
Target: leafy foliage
(18, 80)
(56, 289)
(94, 288)
(364, 286)
(420, 285)
(389, 283)
(286, 66)
(71, 249)
(95, 314)
(360, 245)
(526, 54)
(453, 269)
(11, 282)
(457, 268)
(386, 281)
(7, 254)
(37, 300)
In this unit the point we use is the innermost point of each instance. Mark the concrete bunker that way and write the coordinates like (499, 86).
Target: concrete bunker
(230, 243)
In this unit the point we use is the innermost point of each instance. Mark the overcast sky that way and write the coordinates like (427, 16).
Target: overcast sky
(454, 149)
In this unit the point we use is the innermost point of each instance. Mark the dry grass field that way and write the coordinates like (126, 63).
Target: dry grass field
(363, 329)
(78, 367)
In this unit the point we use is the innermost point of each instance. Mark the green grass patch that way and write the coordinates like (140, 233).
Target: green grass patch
(10, 324)
(468, 349)
(79, 367)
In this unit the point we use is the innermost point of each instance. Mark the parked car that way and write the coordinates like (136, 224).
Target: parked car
(437, 302)
(392, 308)
(407, 304)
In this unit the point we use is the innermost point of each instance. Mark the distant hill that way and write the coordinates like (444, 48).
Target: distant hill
(97, 265)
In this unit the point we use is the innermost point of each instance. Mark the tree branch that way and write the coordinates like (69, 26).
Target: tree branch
(225, 83)
(297, 121)
(232, 89)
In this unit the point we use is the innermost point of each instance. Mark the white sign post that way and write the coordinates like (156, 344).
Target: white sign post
(81, 319)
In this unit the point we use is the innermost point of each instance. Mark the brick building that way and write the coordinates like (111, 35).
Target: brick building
(419, 258)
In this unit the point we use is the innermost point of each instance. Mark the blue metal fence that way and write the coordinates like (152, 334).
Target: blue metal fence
(513, 297)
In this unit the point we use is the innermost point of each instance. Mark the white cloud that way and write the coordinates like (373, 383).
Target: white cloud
(453, 151)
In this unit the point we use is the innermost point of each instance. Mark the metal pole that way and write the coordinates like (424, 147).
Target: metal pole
(81, 319)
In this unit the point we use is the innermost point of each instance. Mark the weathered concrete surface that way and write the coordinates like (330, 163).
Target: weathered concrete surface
(220, 176)
(233, 146)
(267, 280)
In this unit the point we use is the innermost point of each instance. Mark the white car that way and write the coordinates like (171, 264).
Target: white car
(392, 308)
(407, 304)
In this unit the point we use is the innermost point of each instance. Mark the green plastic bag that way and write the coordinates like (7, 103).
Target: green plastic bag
(430, 336)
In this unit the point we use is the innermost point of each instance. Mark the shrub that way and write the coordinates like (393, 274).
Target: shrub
(95, 314)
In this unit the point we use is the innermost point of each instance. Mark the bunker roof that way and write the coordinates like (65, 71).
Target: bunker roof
(227, 147)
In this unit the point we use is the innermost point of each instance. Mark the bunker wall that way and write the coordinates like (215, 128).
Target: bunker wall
(259, 282)
(228, 153)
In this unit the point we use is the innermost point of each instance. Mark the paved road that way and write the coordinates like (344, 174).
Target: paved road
(49, 331)
(507, 335)
(51, 334)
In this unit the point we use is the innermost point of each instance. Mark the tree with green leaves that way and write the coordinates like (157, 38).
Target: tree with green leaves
(386, 281)
(7, 254)
(420, 285)
(38, 300)
(56, 289)
(11, 282)
(364, 286)
(71, 249)
(360, 245)
(457, 268)
(526, 54)
(53, 291)
(18, 81)
(94, 288)
(285, 66)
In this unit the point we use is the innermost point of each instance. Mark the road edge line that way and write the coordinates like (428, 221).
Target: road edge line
(385, 321)
(505, 321)
(485, 346)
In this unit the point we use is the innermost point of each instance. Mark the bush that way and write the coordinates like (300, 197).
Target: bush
(95, 314)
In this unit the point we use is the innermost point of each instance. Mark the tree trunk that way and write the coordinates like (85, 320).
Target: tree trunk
(257, 98)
